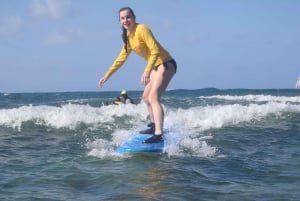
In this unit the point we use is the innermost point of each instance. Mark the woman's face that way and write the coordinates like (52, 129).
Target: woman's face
(127, 19)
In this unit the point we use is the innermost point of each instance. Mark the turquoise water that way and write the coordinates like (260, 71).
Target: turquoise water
(225, 145)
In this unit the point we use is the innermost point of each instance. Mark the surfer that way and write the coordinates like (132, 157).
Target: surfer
(125, 98)
(117, 101)
(158, 72)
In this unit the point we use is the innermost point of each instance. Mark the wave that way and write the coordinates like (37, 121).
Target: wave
(208, 117)
(256, 98)
(204, 117)
(65, 116)
(190, 130)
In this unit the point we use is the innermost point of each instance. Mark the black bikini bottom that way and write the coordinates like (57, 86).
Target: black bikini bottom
(172, 61)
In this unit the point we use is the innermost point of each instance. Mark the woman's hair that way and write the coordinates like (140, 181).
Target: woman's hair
(124, 33)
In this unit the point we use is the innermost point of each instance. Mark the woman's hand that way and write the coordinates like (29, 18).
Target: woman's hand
(102, 81)
(145, 79)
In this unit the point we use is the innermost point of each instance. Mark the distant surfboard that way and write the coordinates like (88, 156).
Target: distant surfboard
(136, 144)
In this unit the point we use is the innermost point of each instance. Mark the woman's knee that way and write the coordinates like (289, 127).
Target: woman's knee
(153, 99)
(146, 99)
(150, 99)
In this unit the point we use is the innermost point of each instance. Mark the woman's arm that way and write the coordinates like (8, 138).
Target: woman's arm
(115, 66)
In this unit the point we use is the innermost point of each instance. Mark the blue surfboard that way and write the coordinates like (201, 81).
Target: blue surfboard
(136, 144)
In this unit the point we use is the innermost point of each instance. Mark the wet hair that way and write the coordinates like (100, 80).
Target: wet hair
(124, 31)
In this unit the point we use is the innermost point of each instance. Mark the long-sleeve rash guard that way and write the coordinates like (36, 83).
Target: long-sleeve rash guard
(142, 42)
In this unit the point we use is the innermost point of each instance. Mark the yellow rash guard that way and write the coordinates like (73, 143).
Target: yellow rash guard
(142, 42)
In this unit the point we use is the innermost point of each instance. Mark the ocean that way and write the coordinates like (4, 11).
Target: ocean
(224, 144)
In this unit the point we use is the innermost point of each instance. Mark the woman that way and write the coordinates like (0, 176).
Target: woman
(157, 74)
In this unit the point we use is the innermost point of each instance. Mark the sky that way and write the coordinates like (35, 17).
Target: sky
(68, 45)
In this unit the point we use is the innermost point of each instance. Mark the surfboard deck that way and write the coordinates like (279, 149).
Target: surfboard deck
(136, 144)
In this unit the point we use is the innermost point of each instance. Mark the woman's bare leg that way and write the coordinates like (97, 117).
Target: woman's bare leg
(159, 81)
(145, 98)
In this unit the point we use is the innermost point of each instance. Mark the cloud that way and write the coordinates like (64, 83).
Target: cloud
(56, 39)
(63, 37)
(10, 25)
(50, 8)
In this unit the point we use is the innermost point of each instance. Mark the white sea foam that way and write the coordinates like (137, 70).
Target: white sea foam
(208, 117)
(256, 98)
(66, 116)
(192, 124)
(102, 148)
(188, 128)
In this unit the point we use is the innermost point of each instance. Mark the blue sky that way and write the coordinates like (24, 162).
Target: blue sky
(67, 45)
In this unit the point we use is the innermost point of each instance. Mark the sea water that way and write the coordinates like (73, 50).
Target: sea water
(235, 144)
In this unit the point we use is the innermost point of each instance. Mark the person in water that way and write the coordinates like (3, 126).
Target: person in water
(117, 101)
(125, 98)
(157, 74)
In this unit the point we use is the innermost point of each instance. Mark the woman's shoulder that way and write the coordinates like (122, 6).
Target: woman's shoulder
(140, 26)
